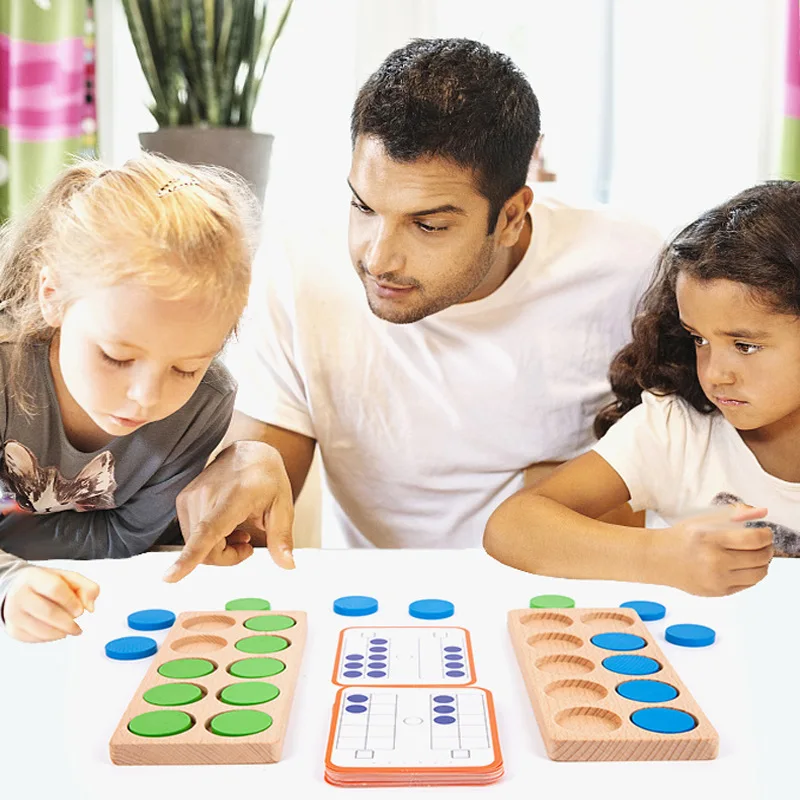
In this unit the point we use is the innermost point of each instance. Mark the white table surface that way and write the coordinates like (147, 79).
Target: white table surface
(62, 701)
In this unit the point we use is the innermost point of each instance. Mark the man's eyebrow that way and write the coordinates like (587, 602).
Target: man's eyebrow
(447, 208)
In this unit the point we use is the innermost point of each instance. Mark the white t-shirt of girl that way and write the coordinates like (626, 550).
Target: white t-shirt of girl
(678, 462)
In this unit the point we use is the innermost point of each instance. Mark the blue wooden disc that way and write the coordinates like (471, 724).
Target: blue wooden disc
(129, 648)
(663, 720)
(152, 619)
(618, 641)
(647, 610)
(647, 691)
(631, 665)
(355, 606)
(431, 609)
(690, 635)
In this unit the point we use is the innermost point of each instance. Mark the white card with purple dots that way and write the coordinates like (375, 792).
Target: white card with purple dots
(412, 727)
(404, 656)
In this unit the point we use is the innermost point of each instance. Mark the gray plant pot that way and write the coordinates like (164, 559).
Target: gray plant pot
(239, 149)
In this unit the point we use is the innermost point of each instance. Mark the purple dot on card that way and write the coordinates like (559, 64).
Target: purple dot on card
(444, 709)
(376, 674)
(352, 674)
(377, 667)
(452, 649)
(356, 709)
(355, 657)
(378, 657)
(454, 665)
(357, 698)
(378, 641)
(444, 720)
(378, 649)
(354, 665)
(453, 657)
(454, 673)
(442, 698)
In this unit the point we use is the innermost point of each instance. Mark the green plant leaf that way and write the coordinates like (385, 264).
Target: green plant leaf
(143, 45)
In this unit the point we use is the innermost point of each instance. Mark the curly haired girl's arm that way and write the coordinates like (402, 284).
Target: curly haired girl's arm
(554, 528)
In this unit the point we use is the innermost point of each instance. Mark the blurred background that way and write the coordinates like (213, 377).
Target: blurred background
(661, 107)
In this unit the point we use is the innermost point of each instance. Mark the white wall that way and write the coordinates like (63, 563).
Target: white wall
(662, 107)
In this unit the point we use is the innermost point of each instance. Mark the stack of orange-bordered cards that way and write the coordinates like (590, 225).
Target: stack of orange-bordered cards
(408, 712)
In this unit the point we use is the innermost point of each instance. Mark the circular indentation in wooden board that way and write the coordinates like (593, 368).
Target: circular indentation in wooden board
(587, 720)
(576, 691)
(545, 620)
(554, 642)
(198, 644)
(208, 623)
(607, 621)
(565, 664)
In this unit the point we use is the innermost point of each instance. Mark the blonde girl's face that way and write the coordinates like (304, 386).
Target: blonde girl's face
(129, 357)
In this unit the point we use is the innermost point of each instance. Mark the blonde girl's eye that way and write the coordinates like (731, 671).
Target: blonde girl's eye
(115, 362)
(184, 374)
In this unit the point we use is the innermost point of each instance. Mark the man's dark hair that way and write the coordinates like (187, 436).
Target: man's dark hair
(454, 99)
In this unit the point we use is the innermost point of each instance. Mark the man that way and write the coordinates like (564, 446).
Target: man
(482, 347)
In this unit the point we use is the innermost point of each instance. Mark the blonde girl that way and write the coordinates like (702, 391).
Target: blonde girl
(117, 292)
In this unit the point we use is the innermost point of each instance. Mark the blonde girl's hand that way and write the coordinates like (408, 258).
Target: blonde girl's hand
(716, 554)
(41, 604)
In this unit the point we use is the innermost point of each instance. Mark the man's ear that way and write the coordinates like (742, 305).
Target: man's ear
(512, 216)
(48, 298)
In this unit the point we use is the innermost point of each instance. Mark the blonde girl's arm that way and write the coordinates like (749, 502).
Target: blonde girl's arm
(554, 528)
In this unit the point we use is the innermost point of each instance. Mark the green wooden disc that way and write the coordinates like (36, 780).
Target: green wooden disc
(160, 723)
(256, 667)
(173, 694)
(249, 694)
(248, 604)
(273, 622)
(552, 601)
(186, 668)
(262, 644)
(243, 722)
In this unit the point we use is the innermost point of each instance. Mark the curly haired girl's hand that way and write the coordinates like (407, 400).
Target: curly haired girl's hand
(41, 604)
(716, 554)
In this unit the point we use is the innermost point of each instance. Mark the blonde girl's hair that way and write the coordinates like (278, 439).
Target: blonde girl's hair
(169, 226)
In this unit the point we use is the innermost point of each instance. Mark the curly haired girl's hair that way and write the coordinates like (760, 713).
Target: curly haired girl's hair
(752, 239)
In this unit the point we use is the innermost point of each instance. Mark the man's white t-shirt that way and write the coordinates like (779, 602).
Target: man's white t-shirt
(678, 462)
(425, 428)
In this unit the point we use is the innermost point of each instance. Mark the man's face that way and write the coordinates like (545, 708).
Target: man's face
(417, 234)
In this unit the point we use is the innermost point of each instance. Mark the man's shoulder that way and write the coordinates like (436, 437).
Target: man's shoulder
(611, 234)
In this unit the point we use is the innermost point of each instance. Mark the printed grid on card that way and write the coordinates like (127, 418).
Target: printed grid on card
(435, 656)
(412, 727)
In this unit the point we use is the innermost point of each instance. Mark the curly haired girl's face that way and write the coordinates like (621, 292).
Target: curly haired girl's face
(748, 355)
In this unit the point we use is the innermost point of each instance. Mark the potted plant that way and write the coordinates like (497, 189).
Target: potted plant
(204, 61)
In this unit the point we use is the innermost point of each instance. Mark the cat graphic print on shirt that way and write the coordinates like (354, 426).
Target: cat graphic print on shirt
(44, 490)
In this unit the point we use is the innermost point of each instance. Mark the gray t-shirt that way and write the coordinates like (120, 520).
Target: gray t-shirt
(112, 503)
